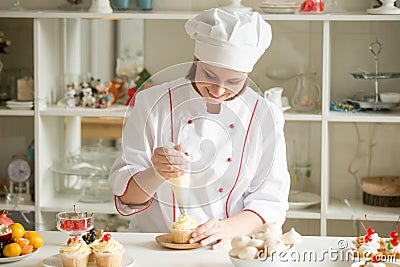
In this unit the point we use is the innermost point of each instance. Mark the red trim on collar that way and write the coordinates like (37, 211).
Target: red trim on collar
(262, 219)
(241, 160)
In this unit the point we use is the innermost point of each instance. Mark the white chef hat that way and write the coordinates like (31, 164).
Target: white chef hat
(234, 40)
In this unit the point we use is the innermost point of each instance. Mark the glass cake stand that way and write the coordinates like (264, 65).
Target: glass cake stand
(373, 102)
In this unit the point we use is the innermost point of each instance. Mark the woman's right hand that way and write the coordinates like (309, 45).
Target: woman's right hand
(169, 162)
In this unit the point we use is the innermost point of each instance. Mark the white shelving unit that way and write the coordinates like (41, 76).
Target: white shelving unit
(52, 124)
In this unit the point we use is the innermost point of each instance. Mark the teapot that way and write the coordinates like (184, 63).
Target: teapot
(307, 94)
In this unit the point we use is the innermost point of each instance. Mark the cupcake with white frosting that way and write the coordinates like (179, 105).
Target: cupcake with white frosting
(107, 251)
(75, 253)
(182, 229)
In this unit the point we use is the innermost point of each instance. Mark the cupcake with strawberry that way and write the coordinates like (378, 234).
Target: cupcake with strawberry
(75, 253)
(107, 251)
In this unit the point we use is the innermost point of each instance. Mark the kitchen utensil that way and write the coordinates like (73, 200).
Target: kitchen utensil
(180, 186)
(274, 95)
(101, 6)
(302, 200)
(144, 4)
(373, 102)
(388, 8)
(74, 223)
(307, 95)
(236, 6)
(390, 97)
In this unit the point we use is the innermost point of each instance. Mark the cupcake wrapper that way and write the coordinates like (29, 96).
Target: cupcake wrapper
(181, 236)
(108, 259)
(79, 260)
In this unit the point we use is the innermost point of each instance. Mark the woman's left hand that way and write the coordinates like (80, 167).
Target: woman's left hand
(213, 230)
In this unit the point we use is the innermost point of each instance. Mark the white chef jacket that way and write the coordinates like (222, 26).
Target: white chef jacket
(238, 156)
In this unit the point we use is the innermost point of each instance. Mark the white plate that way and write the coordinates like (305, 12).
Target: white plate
(55, 261)
(283, 109)
(20, 103)
(20, 107)
(301, 200)
(13, 259)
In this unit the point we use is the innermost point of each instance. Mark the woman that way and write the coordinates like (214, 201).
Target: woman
(231, 136)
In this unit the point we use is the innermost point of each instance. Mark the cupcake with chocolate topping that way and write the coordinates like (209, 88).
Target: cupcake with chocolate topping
(75, 253)
(107, 251)
(182, 229)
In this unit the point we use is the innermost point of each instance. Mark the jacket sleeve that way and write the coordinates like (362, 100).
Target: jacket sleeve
(267, 195)
(136, 153)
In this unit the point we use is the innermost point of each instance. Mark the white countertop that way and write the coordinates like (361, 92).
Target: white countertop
(147, 252)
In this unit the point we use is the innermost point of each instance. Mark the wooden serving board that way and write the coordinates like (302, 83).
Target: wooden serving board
(165, 241)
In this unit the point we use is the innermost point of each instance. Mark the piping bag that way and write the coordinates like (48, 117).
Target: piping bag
(180, 185)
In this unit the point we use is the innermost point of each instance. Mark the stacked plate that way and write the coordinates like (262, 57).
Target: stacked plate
(279, 6)
(16, 104)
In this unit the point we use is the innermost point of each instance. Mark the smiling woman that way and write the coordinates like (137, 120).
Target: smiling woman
(231, 135)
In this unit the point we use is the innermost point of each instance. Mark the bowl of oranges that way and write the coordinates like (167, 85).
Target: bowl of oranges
(15, 242)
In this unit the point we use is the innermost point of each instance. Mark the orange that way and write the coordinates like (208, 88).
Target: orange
(27, 250)
(23, 242)
(18, 230)
(34, 238)
(12, 250)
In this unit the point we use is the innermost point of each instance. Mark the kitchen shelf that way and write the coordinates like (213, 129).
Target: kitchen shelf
(20, 207)
(66, 202)
(389, 117)
(184, 15)
(338, 209)
(310, 213)
(13, 112)
(113, 111)
(292, 116)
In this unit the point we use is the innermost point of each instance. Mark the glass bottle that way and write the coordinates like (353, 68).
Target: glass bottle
(307, 95)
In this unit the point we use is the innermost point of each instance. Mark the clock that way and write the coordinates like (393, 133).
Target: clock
(19, 169)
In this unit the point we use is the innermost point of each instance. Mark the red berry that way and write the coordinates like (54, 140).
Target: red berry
(367, 238)
(395, 242)
(376, 259)
(370, 231)
(106, 237)
(394, 235)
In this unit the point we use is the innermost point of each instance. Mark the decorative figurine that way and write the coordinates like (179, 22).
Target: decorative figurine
(87, 99)
(70, 96)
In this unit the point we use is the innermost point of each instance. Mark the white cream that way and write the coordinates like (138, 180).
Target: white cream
(248, 253)
(291, 237)
(239, 242)
(372, 246)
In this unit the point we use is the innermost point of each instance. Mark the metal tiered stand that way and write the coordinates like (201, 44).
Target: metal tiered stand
(373, 102)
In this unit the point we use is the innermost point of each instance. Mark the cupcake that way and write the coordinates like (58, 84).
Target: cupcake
(182, 229)
(107, 251)
(75, 253)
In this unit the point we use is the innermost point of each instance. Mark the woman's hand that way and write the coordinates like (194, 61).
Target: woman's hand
(222, 231)
(169, 162)
(219, 231)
